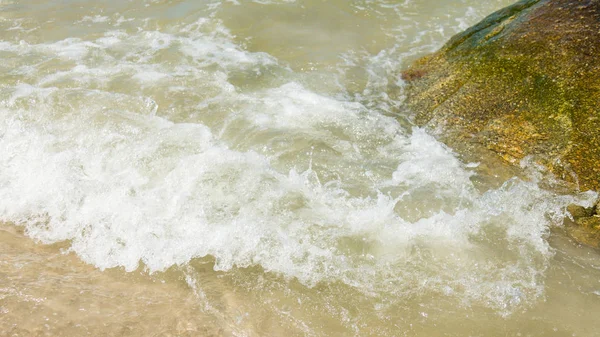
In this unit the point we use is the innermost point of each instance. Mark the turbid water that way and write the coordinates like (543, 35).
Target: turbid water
(247, 168)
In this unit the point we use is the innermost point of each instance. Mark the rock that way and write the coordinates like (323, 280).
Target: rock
(523, 82)
(592, 222)
(587, 231)
(580, 211)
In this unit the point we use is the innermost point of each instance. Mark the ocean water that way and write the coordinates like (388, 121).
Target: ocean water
(248, 168)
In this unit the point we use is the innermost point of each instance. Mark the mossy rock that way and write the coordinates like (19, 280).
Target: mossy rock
(523, 82)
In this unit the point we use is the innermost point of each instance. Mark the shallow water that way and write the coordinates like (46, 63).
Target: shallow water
(247, 168)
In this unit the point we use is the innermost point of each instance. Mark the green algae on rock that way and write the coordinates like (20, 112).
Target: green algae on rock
(523, 82)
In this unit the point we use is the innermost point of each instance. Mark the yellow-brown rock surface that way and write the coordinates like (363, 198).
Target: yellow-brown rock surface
(523, 82)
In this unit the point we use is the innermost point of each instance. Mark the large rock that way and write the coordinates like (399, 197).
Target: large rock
(524, 81)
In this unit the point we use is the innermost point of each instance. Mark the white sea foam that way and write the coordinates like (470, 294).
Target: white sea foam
(128, 187)
(94, 19)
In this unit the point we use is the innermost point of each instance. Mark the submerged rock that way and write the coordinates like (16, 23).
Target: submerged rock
(586, 230)
(523, 82)
(585, 226)
(578, 212)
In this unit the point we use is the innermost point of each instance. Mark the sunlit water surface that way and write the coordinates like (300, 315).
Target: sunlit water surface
(247, 168)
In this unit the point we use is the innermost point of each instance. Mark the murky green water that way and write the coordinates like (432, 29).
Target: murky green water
(247, 168)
